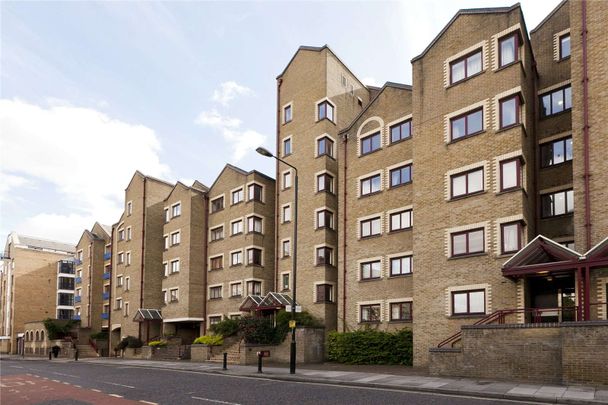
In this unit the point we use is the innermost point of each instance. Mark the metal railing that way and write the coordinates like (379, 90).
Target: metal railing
(105, 296)
(77, 298)
(105, 315)
(107, 256)
(530, 315)
(78, 280)
(106, 275)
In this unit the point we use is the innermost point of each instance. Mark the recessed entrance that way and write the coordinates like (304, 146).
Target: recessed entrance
(552, 299)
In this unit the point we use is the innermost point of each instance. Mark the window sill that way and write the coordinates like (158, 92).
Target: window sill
(255, 201)
(324, 265)
(564, 163)
(462, 138)
(287, 154)
(287, 122)
(235, 296)
(508, 65)
(367, 280)
(236, 265)
(462, 197)
(216, 211)
(370, 153)
(400, 141)
(255, 265)
(466, 79)
(510, 190)
(509, 127)
(370, 237)
(370, 323)
(467, 316)
(236, 203)
(324, 302)
(400, 185)
(468, 256)
(217, 240)
(326, 192)
(324, 228)
(545, 117)
(236, 234)
(400, 275)
(285, 257)
(370, 194)
(327, 155)
(325, 119)
(219, 268)
(393, 231)
(285, 222)
(569, 214)
(565, 58)
(215, 299)
(400, 321)
(255, 233)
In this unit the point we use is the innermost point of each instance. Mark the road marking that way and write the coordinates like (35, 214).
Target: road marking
(56, 381)
(66, 383)
(93, 389)
(16, 367)
(217, 401)
(66, 375)
(115, 395)
(78, 386)
(120, 385)
(148, 402)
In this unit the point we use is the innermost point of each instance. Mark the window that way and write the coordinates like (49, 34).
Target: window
(559, 203)
(236, 290)
(401, 131)
(325, 219)
(325, 255)
(121, 236)
(174, 295)
(217, 233)
(325, 293)
(569, 244)
(465, 67)
(371, 185)
(508, 49)
(467, 183)
(401, 311)
(370, 313)
(286, 180)
(287, 147)
(166, 242)
(401, 175)
(556, 152)
(564, 46)
(176, 210)
(469, 302)
(128, 236)
(468, 242)
(127, 283)
(325, 182)
(214, 319)
(236, 227)
(255, 192)
(371, 270)
(174, 266)
(236, 258)
(217, 204)
(126, 312)
(118, 303)
(238, 196)
(400, 220)
(467, 125)
(286, 248)
(509, 111)
(166, 269)
(254, 256)
(254, 287)
(287, 114)
(215, 293)
(165, 297)
(128, 258)
(167, 218)
(325, 110)
(287, 213)
(118, 281)
(285, 281)
(175, 238)
(121, 258)
(556, 101)
(401, 265)
(511, 237)
(254, 224)
(371, 227)
(370, 143)
(217, 262)
(129, 208)
(325, 146)
(510, 174)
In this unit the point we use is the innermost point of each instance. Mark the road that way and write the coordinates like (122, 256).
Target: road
(66, 383)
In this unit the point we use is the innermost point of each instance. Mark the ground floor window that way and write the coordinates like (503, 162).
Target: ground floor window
(469, 302)
(214, 319)
(401, 311)
(370, 313)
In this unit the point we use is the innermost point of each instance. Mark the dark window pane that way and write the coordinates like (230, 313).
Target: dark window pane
(569, 149)
(568, 97)
(546, 101)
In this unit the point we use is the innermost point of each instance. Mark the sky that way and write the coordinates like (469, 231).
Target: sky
(92, 91)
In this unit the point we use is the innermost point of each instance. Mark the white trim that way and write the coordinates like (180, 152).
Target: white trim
(368, 175)
(333, 182)
(332, 258)
(383, 266)
(485, 112)
(291, 178)
(209, 316)
(379, 215)
(283, 221)
(381, 128)
(290, 104)
(498, 232)
(316, 214)
(281, 280)
(211, 229)
(241, 188)
(488, 296)
(230, 257)
(333, 292)
(495, 46)
(233, 221)
(325, 135)
(484, 164)
(335, 112)
(289, 137)
(183, 320)
(248, 184)
(509, 156)
(486, 235)
(556, 44)
(556, 86)
(484, 61)
(375, 302)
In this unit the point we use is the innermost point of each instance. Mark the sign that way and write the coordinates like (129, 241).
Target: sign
(264, 353)
(292, 324)
(288, 308)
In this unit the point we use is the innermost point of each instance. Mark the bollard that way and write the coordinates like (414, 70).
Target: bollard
(259, 362)
(225, 367)
(50, 355)
(76, 355)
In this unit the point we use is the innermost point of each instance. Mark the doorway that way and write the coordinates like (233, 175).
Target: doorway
(555, 298)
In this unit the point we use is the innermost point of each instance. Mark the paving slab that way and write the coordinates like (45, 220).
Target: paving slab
(522, 391)
(578, 394)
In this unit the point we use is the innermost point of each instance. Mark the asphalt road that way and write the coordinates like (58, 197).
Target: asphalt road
(44, 382)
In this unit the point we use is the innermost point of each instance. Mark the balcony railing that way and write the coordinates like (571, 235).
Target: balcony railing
(107, 256)
(78, 280)
(76, 317)
(77, 262)
(105, 296)
(105, 315)
(77, 298)
(106, 276)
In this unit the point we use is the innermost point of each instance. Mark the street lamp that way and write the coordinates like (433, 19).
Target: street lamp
(294, 258)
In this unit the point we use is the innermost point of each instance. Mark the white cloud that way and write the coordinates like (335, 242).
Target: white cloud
(242, 141)
(228, 91)
(371, 81)
(85, 155)
(10, 182)
(62, 228)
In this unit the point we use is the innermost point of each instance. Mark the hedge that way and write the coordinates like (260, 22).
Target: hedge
(158, 343)
(209, 340)
(225, 328)
(371, 347)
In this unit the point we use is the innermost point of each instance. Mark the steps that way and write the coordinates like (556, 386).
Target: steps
(234, 353)
(86, 351)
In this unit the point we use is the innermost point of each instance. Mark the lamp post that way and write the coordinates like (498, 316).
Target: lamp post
(294, 258)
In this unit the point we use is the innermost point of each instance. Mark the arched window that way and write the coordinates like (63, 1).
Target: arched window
(37, 335)
(42, 335)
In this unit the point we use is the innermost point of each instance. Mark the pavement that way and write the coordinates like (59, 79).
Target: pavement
(391, 378)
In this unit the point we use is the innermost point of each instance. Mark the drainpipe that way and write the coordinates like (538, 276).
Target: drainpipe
(110, 299)
(579, 282)
(276, 189)
(344, 245)
(586, 128)
(90, 271)
(143, 251)
(205, 253)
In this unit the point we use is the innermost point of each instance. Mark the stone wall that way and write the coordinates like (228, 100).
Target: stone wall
(548, 353)
(310, 348)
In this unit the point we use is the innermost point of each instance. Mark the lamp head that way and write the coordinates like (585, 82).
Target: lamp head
(264, 152)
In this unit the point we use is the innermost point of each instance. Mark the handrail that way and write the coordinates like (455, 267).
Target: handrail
(93, 344)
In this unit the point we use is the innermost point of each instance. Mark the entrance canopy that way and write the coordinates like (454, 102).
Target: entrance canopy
(147, 315)
(272, 300)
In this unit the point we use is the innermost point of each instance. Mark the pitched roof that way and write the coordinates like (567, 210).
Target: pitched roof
(36, 243)
(541, 250)
(240, 171)
(548, 17)
(469, 11)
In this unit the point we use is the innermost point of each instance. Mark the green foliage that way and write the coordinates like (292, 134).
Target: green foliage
(303, 320)
(58, 329)
(371, 347)
(158, 343)
(257, 330)
(129, 341)
(99, 336)
(209, 340)
(225, 328)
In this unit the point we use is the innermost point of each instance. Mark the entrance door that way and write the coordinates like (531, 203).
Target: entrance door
(553, 297)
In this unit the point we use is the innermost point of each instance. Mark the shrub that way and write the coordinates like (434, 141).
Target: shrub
(99, 336)
(209, 340)
(158, 343)
(371, 347)
(258, 330)
(303, 320)
(225, 328)
(129, 341)
(58, 329)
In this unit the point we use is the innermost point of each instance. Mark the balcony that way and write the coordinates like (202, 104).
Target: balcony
(106, 276)
(107, 256)
(77, 262)
(76, 317)
(105, 296)
(78, 280)
(105, 315)
(77, 298)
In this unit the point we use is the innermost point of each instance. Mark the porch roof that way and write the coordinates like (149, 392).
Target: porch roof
(147, 315)
(272, 300)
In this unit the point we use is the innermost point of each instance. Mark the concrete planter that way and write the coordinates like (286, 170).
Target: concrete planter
(200, 352)
(133, 353)
(310, 348)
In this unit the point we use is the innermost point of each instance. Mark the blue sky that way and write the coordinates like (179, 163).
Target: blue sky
(92, 91)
